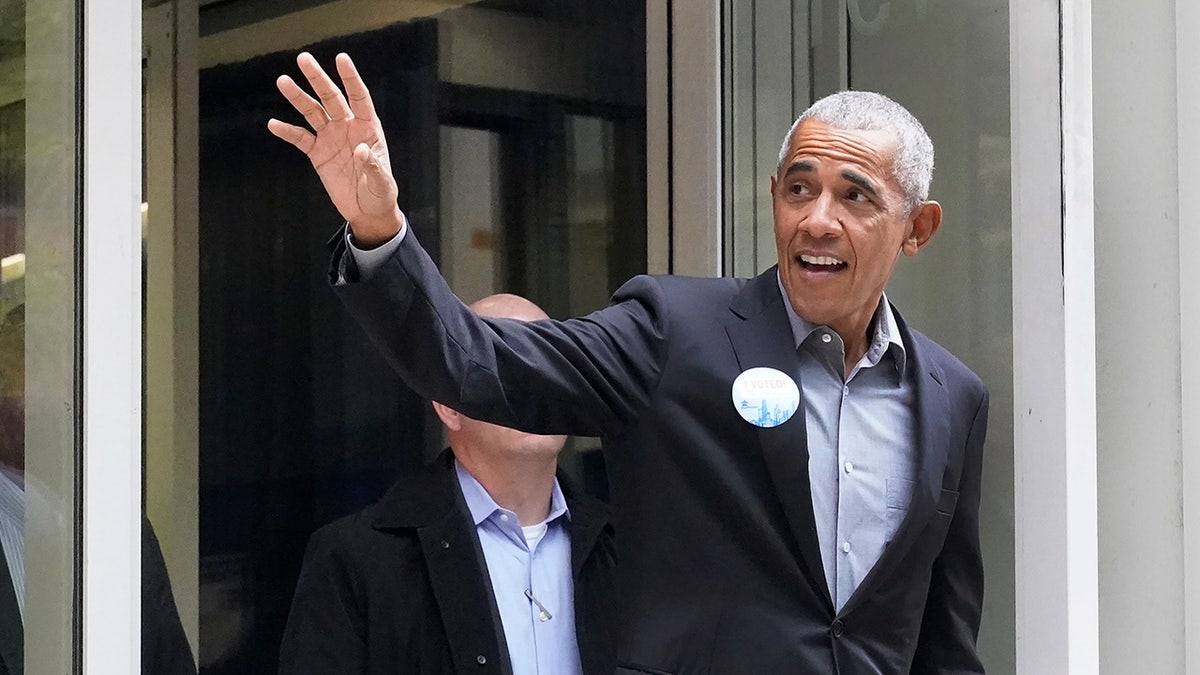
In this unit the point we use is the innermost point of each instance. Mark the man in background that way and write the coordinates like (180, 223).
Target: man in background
(480, 561)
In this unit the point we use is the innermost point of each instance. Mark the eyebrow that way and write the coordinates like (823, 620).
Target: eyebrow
(799, 167)
(808, 167)
(860, 182)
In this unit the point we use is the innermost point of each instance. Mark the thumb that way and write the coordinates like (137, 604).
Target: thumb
(373, 175)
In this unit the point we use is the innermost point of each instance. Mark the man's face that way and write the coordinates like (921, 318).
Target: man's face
(502, 442)
(840, 224)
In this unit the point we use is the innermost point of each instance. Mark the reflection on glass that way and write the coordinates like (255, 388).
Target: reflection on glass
(12, 291)
(590, 218)
(38, 384)
(530, 113)
(947, 62)
(472, 219)
(12, 359)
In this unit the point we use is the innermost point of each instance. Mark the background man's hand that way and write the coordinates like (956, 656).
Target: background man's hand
(346, 147)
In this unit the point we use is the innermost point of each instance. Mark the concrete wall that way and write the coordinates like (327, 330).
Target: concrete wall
(1138, 182)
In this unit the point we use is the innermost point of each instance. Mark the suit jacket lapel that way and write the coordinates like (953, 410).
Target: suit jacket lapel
(593, 594)
(931, 417)
(430, 500)
(763, 338)
(588, 519)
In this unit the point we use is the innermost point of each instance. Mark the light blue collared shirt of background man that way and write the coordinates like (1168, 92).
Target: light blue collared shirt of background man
(535, 559)
(541, 631)
(861, 442)
(861, 439)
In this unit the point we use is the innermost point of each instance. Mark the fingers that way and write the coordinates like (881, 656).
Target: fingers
(331, 97)
(293, 134)
(360, 99)
(314, 112)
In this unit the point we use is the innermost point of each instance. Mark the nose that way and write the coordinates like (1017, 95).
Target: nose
(822, 218)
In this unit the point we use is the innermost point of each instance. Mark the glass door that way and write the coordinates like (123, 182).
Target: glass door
(948, 63)
(40, 430)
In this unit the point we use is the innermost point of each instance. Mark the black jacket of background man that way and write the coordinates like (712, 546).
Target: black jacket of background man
(402, 587)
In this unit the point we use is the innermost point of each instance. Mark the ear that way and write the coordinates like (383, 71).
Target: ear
(923, 223)
(449, 416)
(774, 182)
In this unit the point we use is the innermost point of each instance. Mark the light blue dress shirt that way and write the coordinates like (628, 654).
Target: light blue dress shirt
(371, 259)
(540, 631)
(861, 444)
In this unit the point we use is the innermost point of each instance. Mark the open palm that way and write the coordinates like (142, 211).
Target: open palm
(345, 145)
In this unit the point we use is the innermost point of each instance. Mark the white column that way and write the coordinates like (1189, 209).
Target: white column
(1053, 339)
(1187, 26)
(1146, 140)
(112, 76)
(1079, 340)
(1138, 350)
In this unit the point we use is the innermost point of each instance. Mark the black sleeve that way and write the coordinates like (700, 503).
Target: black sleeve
(165, 649)
(325, 631)
(588, 376)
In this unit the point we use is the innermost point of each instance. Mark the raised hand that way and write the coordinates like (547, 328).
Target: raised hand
(346, 146)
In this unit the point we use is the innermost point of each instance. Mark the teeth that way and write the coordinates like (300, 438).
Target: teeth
(819, 259)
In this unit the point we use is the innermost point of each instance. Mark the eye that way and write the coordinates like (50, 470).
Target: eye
(798, 189)
(856, 195)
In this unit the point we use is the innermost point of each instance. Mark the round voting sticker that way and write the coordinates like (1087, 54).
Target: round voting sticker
(765, 397)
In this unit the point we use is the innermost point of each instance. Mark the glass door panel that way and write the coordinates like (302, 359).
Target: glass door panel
(490, 108)
(39, 384)
(947, 62)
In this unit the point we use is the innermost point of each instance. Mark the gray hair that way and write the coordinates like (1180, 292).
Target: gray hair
(868, 111)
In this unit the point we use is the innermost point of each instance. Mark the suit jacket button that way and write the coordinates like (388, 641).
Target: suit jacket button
(837, 628)
(481, 659)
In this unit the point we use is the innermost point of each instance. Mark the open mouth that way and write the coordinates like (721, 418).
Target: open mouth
(821, 263)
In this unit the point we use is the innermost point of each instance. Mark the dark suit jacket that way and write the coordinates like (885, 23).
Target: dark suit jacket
(720, 567)
(402, 587)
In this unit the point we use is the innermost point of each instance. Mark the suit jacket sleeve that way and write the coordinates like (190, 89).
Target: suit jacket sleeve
(587, 376)
(326, 629)
(950, 627)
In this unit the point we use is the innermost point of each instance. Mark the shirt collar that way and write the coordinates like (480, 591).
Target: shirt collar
(482, 506)
(887, 330)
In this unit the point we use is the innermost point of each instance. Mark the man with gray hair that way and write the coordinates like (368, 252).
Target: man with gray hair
(795, 471)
